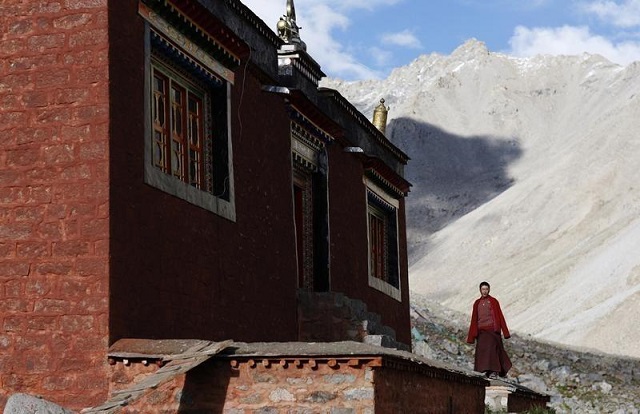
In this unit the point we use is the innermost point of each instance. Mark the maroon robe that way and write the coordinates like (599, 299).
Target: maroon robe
(490, 354)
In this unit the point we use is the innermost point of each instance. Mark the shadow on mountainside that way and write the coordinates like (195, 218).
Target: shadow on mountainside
(451, 175)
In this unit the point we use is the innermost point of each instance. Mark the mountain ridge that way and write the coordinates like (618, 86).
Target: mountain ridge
(524, 174)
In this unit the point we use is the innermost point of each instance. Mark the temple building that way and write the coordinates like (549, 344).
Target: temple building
(189, 222)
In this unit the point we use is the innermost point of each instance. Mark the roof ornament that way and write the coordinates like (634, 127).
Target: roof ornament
(288, 29)
(380, 116)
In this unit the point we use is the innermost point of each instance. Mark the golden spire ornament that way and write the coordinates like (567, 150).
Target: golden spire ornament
(288, 29)
(380, 117)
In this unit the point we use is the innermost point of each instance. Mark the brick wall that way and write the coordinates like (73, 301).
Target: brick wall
(54, 213)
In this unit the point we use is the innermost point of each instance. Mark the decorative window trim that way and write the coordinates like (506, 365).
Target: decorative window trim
(391, 205)
(188, 48)
(307, 149)
(302, 181)
(222, 203)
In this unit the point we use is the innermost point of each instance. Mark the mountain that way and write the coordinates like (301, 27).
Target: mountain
(525, 174)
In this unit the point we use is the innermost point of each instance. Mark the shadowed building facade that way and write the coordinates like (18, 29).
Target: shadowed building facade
(172, 177)
(172, 170)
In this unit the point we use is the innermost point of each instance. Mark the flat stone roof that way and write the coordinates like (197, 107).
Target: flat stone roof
(153, 348)
(344, 349)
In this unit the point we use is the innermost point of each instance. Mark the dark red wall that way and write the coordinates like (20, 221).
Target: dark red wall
(349, 249)
(177, 270)
(54, 216)
(410, 391)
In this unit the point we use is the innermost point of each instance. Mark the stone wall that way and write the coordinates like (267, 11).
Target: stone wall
(54, 214)
(259, 386)
(358, 385)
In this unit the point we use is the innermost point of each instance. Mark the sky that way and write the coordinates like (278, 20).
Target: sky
(366, 39)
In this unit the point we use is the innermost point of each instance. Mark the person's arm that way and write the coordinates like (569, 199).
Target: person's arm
(473, 326)
(502, 322)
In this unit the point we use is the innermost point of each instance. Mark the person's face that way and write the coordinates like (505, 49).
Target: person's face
(484, 290)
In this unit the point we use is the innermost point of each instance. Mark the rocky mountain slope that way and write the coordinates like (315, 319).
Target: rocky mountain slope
(526, 174)
(577, 382)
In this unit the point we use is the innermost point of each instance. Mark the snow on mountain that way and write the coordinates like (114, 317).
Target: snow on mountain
(526, 173)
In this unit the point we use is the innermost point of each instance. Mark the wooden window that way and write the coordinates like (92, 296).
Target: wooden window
(178, 127)
(383, 240)
(196, 148)
(378, 243)
(188, 146)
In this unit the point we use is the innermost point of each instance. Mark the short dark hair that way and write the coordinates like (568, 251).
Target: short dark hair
(485, 284)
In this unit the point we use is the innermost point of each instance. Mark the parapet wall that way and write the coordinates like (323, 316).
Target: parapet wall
(344, 377)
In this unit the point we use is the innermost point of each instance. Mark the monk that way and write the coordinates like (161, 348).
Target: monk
(487, 325)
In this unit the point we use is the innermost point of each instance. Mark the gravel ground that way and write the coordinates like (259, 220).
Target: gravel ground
(578, 381)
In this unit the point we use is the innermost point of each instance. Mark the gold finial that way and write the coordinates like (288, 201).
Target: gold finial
(288, 29)
(380, 116)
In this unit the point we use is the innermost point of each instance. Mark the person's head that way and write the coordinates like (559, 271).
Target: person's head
(484, 289)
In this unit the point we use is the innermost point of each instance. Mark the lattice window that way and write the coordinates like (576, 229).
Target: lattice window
(188, 142)
(178, 127)
(378, 242)
(383, 239)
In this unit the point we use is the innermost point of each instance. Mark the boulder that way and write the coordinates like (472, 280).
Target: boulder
(29, 404)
